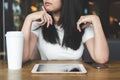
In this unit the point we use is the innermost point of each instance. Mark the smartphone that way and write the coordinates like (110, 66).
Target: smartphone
(97, 65)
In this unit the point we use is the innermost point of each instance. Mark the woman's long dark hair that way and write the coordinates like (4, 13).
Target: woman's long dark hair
(70, 13)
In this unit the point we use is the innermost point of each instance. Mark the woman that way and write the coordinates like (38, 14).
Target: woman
(59, 35)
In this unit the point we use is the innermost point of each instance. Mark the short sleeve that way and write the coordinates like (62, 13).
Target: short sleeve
(89, 33)
(34, 28)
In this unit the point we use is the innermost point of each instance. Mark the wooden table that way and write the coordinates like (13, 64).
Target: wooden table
(111, 73)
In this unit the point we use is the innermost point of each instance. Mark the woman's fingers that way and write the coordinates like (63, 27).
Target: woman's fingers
(78, 27)
(47, 17)
(48, 22)
(44, 18)
(50, 19)
(85, 25)
(83, 22)
(43, 8)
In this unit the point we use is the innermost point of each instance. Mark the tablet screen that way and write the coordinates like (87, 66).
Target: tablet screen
(59, 68)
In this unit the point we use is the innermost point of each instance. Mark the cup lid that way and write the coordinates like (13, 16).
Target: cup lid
(14, 33)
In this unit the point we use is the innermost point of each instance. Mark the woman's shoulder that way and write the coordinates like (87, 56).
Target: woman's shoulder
(89, 33)
(35, 25)
(36, 29)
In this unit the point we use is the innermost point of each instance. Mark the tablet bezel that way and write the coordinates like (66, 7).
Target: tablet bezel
(81, 67)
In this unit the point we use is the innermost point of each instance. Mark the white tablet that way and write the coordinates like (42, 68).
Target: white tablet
(59, 68)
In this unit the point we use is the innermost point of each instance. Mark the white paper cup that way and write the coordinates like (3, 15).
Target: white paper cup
(14, 42)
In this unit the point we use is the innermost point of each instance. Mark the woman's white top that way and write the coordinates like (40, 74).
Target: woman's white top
(50, 51)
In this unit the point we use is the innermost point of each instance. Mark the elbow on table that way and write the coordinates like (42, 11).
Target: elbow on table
(25, 59)
(102, 60)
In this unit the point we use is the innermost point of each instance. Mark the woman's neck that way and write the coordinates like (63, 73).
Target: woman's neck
(56, 17)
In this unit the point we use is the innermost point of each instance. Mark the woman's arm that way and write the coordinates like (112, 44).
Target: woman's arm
(30, 39)
(97, 46)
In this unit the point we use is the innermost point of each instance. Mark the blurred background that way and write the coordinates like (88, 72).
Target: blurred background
(13, 13)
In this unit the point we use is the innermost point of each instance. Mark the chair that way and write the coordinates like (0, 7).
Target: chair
(114, 47)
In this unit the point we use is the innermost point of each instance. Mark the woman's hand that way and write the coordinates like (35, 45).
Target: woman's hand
(85, 21)
(30, 39)
(97, 46)
(42, 17)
